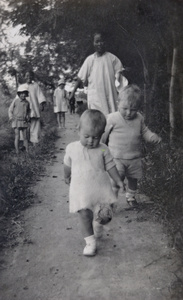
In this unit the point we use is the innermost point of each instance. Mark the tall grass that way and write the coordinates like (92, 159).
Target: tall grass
(163, 183)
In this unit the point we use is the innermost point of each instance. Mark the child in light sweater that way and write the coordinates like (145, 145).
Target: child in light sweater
(87, 167)
(19, 114)
(124, 132)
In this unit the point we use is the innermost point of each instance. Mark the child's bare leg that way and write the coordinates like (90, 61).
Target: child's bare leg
(17, 136)
(24, 131)
(86, 218)
(59, 119)
(132, 188)
(115, 187)
(63, 119)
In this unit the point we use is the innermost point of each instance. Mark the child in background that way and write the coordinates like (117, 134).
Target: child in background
(87, 164)
(72, 105)
(60, 103)
(19, 113)
(124, 131)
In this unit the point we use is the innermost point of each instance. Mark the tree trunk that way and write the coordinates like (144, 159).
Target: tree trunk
(172, 96)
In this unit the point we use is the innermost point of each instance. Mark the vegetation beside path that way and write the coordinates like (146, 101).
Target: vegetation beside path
(19, 174)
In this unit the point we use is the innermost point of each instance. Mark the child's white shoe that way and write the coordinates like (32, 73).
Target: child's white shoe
(98, 229)
(91, 247)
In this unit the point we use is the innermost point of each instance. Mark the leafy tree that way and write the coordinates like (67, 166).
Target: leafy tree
(141, 33)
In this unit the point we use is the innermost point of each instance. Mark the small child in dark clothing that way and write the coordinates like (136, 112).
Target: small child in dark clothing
(72, 105)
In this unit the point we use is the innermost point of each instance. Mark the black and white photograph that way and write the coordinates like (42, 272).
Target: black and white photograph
(91, 149)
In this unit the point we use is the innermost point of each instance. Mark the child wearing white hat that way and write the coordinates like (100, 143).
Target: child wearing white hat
(60, 102)
(19, 114)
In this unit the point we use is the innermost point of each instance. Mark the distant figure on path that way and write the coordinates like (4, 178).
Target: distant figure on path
(87, 164)
(124, 132)
(49, 95)
(60, 102)
(37, 101)
(72, 104)
(99, 72)
(19, 114)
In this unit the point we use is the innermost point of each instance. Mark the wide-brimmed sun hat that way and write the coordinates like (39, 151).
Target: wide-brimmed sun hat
(61, 81)
(23, 88)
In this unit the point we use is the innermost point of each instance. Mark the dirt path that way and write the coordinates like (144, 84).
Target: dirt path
(134, 260)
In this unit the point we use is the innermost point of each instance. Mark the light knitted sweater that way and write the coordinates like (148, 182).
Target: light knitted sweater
(126, 136)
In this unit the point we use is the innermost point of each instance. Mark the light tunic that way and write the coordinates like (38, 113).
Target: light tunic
(98, 72)
(90, 182)
(36, 97)
(60, 101)
(125, 139)
(18, 112)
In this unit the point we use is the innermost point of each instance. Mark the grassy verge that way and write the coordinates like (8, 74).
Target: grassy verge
(17, 175)
(163, 183)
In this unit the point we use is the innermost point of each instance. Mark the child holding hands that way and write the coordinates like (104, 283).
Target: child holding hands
(19, 113)
(87, 167)
(124, 132)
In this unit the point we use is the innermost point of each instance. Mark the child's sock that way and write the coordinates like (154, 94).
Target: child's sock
(130, 194)
(90, 248)
(130, 198)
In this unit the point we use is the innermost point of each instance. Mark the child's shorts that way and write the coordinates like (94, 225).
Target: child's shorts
(131, 168)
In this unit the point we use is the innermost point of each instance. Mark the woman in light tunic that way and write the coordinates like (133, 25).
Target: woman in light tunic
(99, 72)
(37, 101)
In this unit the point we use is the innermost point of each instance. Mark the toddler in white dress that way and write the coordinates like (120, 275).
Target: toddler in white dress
(88, 166)
(60, 102)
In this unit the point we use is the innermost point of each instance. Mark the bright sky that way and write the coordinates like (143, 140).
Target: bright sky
(13, 35)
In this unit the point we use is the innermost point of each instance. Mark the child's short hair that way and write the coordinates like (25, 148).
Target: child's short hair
(132, 94)
(94, 118)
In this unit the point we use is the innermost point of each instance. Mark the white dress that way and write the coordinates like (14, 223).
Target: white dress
(99, 74)
(90, 182)
(60, 102)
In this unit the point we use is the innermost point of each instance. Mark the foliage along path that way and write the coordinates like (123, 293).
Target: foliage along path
(134, 260)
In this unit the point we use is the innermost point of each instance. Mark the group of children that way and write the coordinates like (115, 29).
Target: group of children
(109, 146)
(20, 111)
(89, 162)
(108, 151)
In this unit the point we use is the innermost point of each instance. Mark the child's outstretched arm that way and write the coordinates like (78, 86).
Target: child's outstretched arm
(150, 136)
(113, 172)
(67, 174)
